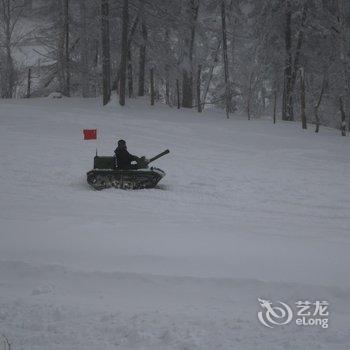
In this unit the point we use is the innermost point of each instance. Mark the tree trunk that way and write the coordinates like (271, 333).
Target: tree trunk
(343, 54)
(299, 45)
(9, 81)
(124, 53)
(60, 46)
(225, 57)
(287, 107)
(187, 75)
(274, 104)
(232, 23)
(130, 76)
(96, 53)
(167, 86)
(343, 117)
(10, 72)
(84, 50)
(199, 102)
(116, 82)
(187, 89)
(29, 83)
(317, 120)
(178, 94)
(303, 99)
(106, 60)
(142, 61)
(66, 43)
(248, 108)
(152, 92)
(292, 69)
(250, 93)
(317, 106)
(167, 93)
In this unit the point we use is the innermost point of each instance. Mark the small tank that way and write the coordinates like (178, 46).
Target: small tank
(106, 175)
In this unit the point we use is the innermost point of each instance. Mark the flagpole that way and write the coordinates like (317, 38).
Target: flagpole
(96, 140)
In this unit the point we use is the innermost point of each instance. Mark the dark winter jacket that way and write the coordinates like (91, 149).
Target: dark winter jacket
(124, 159)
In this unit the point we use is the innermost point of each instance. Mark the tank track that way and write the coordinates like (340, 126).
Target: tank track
(101, 179)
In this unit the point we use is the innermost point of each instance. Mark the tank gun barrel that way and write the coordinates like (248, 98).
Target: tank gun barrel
(159, 155)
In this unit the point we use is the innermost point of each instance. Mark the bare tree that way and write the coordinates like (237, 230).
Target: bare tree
(178, 94)
(142, 55)
(29, 83)
(303, 98)
(152, 88)
(343, 117)
(189, 39)
(225, 57)
(130, 36)
(198, 90)
(67, 48)
(130, 75)
(84, 49)
(291, 67)
(63, 49)
(318, 104)
(344, 59)
(275, 93)
(287, 108)
(124, 53)
(167, 86)
(106, 60)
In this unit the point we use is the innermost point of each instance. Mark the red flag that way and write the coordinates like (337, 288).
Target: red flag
(90, 134)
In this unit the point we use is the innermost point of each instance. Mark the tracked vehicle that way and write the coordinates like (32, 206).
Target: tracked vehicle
(106, 175)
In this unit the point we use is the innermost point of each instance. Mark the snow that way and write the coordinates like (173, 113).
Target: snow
(247, 210)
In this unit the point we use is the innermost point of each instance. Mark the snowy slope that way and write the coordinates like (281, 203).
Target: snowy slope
(247, 210)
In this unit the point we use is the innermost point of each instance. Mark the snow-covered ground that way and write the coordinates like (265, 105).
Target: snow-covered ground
(247, 210)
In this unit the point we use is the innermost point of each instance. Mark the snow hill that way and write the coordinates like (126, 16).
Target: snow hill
(247, 210)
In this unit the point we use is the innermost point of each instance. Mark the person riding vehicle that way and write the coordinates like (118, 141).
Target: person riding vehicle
(124, 159)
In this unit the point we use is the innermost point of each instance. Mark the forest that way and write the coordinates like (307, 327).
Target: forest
(174, 174)
(286, 59)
